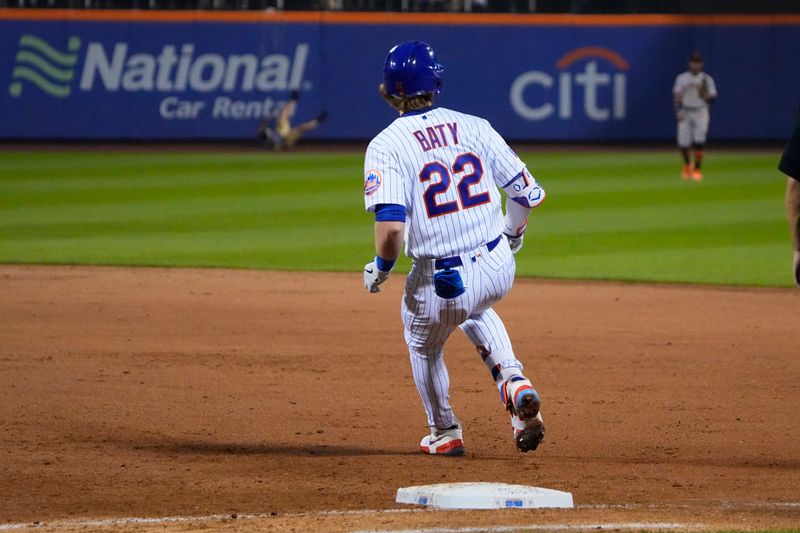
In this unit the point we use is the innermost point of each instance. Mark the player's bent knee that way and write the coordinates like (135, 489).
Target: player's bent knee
(425, 353)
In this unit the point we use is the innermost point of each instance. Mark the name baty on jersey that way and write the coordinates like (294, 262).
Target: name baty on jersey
(430, 139)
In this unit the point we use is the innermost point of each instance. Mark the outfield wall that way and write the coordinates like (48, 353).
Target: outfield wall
(210, 75)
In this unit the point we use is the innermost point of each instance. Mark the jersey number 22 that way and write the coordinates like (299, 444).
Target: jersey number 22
(437, 168)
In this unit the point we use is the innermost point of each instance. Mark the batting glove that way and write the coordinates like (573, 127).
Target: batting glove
(515, 242)
(373, 276)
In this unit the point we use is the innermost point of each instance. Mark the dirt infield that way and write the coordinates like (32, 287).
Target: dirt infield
(205, 394)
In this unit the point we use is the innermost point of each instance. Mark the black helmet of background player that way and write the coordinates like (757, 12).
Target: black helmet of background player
(695, 63)
(412, 77)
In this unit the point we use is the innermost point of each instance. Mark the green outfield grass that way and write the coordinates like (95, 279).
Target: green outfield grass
(609, 215)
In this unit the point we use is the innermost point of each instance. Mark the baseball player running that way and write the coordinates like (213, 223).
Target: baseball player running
(693, 91)
(432, 179)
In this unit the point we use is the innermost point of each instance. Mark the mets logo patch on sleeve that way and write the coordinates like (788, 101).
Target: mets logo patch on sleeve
(372, 182)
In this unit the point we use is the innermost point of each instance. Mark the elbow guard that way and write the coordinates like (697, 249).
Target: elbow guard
(524, 190)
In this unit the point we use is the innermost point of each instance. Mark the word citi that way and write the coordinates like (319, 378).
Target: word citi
(435, 136)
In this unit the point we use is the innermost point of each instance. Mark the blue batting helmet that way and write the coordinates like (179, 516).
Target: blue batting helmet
(411, 69)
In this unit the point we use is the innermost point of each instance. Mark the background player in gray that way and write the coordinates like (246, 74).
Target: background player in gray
(692, 93)
(432, 179)
(276, 128)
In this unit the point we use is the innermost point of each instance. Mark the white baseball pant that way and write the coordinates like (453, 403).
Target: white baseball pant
(429, 321)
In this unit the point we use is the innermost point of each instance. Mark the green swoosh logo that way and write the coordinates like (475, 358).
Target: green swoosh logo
(67, 60)
(24, 73)
(56, 73)
(39, 64)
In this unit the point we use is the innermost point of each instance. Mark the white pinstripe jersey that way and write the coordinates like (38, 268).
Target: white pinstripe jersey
(445, 167)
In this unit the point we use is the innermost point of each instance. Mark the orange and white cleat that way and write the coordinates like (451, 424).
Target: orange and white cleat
(688, 170)
(697, 175)
(443, 442)
(522, 401)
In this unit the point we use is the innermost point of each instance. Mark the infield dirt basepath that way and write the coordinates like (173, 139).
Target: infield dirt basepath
(165, 392)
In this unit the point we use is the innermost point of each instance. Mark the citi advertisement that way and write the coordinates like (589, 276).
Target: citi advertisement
(591, 81)
(72, 79)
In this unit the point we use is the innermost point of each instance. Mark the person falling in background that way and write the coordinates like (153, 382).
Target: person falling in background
(277, 130)
(692, 93)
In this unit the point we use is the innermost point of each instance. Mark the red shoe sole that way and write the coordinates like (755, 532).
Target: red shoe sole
(455, 447)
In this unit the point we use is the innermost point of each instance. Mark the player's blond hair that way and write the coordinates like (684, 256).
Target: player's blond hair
(411, 103)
